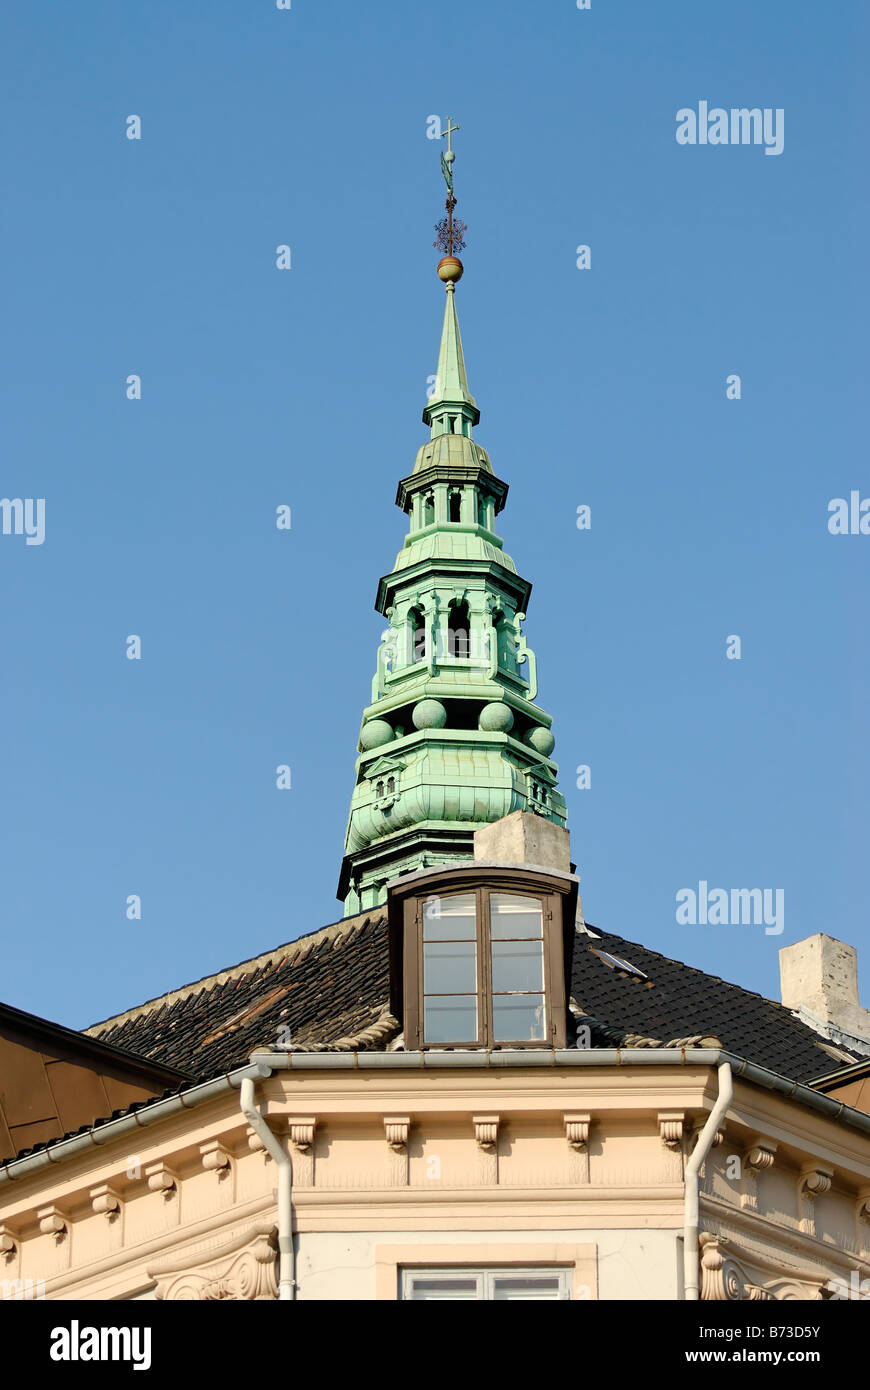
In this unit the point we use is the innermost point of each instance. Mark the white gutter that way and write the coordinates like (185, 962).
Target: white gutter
(265, 1062)
(691, 1277)
(286, 1262)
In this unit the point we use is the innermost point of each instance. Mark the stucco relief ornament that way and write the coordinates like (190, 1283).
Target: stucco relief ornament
(243, 1269)
(726, 1278)
(722, 1280)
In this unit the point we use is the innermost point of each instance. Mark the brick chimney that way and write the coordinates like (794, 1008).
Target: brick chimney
(819, 981)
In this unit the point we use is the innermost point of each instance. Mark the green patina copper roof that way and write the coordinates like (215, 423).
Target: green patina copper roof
(451, 451)
(451, 380)
(453, 737)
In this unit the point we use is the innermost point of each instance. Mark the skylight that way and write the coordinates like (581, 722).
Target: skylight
(617, 963)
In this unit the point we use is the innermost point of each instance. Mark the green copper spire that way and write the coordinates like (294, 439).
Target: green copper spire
(453, 737)
(451, 409)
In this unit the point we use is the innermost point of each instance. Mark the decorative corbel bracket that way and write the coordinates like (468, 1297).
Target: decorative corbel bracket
(698, 1129)
(397, 1128)
(53, 1222)
(216, 1158)
(8, 1242)
(577, 1130)
(815, 1179)
(671, 1127)
(255, 1143)
(302, 1129)
(486, 1131)
(760, 1156)
(757, 1159)
(105, 1201)
(161, 1179)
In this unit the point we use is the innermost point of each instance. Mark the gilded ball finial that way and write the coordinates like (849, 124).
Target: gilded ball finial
(450, 269)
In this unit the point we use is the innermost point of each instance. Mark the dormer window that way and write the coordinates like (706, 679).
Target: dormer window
(483, 963)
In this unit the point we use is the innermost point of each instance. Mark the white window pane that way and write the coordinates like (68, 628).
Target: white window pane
(425, 1289)
(497, 1283)
(450, 1018)
(518, 1018)
(450, 967)
(506, 1287)
(513, 915)
(450, 919)
(517, 966)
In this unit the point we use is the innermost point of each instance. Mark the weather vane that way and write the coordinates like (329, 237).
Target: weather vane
(449, 232)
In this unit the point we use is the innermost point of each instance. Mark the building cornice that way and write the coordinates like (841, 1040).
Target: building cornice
(266, 1063)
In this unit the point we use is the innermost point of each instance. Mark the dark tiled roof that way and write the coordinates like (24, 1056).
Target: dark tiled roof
(678, 1001)
(330, 987)
(324, 989)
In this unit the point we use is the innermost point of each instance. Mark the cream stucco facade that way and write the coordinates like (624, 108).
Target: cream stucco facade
(565, 1161)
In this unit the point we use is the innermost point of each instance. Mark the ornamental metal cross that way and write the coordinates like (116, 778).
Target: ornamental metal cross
(448, 132)
(450, 236)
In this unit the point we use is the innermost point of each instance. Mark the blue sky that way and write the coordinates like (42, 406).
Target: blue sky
(603, 387)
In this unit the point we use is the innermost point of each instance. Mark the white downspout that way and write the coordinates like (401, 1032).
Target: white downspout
(691, 1289)
(286, 1263)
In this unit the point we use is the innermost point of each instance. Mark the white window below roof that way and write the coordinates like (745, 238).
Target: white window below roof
(490, 1285)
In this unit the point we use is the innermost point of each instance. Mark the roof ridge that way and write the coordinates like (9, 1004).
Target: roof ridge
(291, 952)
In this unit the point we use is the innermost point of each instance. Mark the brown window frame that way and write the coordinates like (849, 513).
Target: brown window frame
(554, 966)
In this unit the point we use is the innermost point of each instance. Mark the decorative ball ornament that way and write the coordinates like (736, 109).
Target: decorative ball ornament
(496, 718)
(450, 269)
(375, 733)
(429, 714)
(541, 740)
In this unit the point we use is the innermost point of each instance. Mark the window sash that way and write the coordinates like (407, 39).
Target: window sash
(501, 1283)
(492, 1007)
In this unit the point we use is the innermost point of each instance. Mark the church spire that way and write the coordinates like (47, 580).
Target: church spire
(453, 737)
(451, 408)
